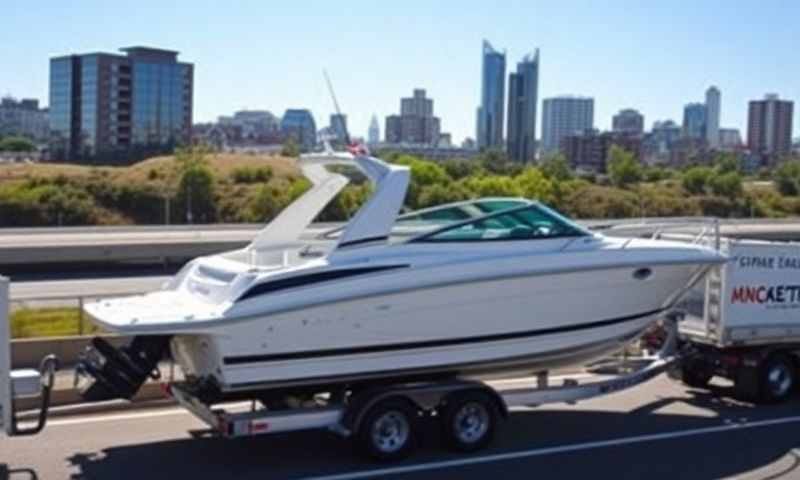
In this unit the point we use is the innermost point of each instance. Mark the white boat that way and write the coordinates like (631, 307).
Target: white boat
(487, 288)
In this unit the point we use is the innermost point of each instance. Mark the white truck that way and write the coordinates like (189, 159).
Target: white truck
(743, 322)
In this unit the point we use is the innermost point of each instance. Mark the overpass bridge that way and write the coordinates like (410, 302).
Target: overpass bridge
(176, 244)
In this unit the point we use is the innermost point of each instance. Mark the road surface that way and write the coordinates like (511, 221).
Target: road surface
(659, 430)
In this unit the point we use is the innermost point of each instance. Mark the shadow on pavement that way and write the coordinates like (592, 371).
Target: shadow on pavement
(302, 454)
(7, 473)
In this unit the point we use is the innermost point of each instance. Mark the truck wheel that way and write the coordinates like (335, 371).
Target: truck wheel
(468, 421)
(696, 373)
(777, 379)
(389, 430)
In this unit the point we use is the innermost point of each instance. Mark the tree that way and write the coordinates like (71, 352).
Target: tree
(196, 194)
(460, 168)
(532, 183)
(656, 174)
(438, 194)
(555, 167)
(290, 148)
(16, 144)
(623, 168)
(493, 186)
(787, 178)
(496, 161)
(725, 162)
(696, 179)
(727, 185)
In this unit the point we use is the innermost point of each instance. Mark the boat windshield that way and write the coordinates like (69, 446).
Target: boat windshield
(418, 222)
(534, 221)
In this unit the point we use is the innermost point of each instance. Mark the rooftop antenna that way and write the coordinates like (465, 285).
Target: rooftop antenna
(336, 106)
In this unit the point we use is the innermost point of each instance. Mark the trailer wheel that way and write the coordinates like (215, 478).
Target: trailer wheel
(468, 421)
(777, 378)
(389, 430)
(696, 373)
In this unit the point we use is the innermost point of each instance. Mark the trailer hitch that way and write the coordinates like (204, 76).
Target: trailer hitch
(47, 371)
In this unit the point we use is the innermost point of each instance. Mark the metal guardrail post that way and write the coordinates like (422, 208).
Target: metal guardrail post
(80, 316)
(6, 407)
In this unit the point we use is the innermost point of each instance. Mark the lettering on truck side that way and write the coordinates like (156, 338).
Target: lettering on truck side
(780, 296)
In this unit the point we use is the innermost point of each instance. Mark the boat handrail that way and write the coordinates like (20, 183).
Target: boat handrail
(709, 228)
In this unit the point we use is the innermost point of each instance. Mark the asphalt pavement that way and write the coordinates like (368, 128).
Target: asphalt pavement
(658, 430)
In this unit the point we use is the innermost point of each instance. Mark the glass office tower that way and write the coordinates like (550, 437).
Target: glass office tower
(490, 112)
(108, 108)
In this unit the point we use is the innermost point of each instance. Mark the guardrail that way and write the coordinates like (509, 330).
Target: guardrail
(39, 323)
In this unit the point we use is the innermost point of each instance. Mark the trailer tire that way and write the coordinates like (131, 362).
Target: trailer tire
(777, 379)
(469, 421)
(696, 373)
(389, 430)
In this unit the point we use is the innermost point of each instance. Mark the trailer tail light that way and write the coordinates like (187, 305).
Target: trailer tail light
(166, 389)
(258, 426)
(730, 360)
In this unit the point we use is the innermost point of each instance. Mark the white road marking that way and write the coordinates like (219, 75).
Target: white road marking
(115, 418)
(238, 406)
(380, 472)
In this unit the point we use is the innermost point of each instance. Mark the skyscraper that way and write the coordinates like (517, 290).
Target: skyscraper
(299, 124)
(489, 130)
(628, 121)
(712, 116)
(523, 96)
(338, 126)
(374, 135)
(117, 108)
(769, 127)
(562, 116)
(416, 123)
(694, 121)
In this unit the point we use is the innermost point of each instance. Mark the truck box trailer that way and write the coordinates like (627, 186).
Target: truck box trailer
(743, 322)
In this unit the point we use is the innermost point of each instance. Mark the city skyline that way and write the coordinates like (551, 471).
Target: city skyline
(620, 55)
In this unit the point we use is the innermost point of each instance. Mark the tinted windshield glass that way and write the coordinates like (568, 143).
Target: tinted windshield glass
(534, 222)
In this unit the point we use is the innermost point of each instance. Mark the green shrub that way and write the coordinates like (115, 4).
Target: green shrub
(252, 174)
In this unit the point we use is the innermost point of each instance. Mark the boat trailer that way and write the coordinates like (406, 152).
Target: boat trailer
(468, 409)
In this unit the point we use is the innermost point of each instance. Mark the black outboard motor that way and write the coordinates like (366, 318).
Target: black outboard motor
(113, 373)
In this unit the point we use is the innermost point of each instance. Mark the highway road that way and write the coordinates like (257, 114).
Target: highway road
(659, 430)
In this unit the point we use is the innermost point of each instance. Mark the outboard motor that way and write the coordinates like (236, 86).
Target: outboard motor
(112, 373)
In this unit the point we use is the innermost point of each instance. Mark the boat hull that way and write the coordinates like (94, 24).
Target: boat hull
(492, 328)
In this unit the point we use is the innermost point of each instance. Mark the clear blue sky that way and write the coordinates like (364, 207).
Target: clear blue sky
(653, 56)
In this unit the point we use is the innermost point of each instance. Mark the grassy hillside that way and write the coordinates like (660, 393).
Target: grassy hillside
(58, 194)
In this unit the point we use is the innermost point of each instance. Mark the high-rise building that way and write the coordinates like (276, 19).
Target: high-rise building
(562, 116)
(374, 134)
(298, 123)
(729, 138)
(628, 121)
(769, 127)
(338, 126)
(23, 118)
(416, 123)
(694, 120)
(659, 143)
(118, 108)
(523, 96)
(712, 117)
(588, 151)
(489, 130)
